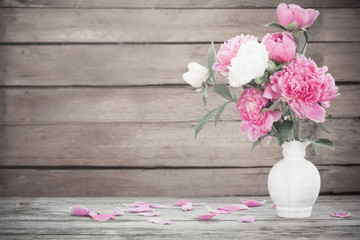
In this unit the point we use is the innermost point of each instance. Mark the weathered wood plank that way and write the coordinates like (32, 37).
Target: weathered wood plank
(49, 218)
(137, 64)
(174, 4)
(170, 25)
(139, 104)
(161, 145)
(159, 182)
(27, 209)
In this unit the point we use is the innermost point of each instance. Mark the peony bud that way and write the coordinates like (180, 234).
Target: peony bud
(196, 75)
(293, 13)
(281, 46)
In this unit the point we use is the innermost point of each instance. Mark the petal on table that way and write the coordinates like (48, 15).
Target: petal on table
(79, 210)
(181, 202)
(233, 207)
(218, 211)
(118, 212)
(246, 219)
(341, 215)
(187, 207)
(206, 216)
(162, 221)
(149, 214)
(143, 208)
(103, 217)
(252, 203)
(273, 206)
(137, 204)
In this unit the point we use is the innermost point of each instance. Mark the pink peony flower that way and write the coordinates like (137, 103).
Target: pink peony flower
(281, 46)
(303, 85)
(254, 123)
(227, 51)
(293, 13)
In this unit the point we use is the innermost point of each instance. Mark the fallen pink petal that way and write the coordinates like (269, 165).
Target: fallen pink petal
(273, 206)
(103, 217)
(143, 208)
(218, 211)
(149, 214)
(341, 215)
(246, 219)
(137, 204)
(187, 207)
(206, 216)
(142, 203)
(118, 212)
(233, 207)
(162, 221)
(79, 210)
(181, 202)
(252, 203)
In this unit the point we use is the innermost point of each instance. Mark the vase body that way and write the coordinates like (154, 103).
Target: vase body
(294, 182)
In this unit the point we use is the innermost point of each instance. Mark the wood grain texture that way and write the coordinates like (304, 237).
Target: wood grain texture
(159, 182)
(174, 4)
(49, 218)
(140, 104)
(161, 145)
(107, 65)
(169, 25)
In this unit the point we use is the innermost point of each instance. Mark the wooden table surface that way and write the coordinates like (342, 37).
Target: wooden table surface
(49, 218)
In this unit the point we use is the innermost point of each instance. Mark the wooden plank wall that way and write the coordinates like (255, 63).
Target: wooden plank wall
(93, 102)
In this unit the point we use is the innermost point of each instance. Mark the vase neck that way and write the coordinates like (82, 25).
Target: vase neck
(294, 150)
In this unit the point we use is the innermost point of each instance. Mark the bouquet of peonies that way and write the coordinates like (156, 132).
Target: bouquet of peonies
(281, 86)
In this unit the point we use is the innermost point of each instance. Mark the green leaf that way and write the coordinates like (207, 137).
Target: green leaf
(262, 79)
(323, 142)
(256, 143)
(224, 91)
(306, 41)
(301, 39)
(201, 124)
(272, 107)
(211, 56)
(284, 131)
(233, 95)
(292, 26)
(320, 125)
(205, 94)
(219, 112)
(279, 67)
(317, 149)
(278, 25)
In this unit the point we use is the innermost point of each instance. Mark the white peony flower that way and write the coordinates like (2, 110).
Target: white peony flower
(196, 75)
(250, 62)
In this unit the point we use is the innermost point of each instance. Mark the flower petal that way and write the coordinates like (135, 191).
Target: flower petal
(273, 206)
(181, 202)
(247, 219)
(233, 207)
(341, 215)
(187, 207)
(143, 208)
(149, 214)
(218, 211)
(142, 203)
(252, 203)
(103, 217)
(162, 221)
(206, 216)
(79, 210)
(118, 212)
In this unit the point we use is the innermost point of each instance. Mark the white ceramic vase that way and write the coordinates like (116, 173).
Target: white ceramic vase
(294, 182)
